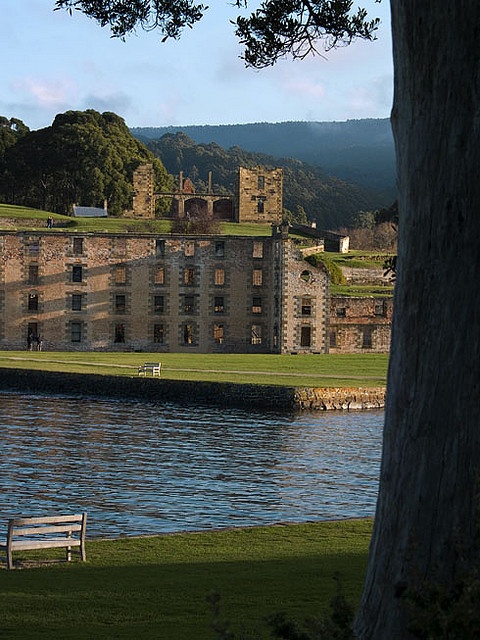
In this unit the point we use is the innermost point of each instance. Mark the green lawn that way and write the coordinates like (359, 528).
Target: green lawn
(157, 587)
(36, 220)
(322, 370)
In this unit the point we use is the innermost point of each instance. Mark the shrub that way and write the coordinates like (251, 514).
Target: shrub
(336, 273)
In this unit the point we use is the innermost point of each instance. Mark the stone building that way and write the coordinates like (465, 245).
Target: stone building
(206, 294)
(258, 197)
(359, 325)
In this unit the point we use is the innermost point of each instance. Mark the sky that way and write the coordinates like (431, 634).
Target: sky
(54, 62)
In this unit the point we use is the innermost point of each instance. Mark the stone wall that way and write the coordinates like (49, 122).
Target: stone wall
(243, 396)
(359, 325)
(260, 195)
(140, 292)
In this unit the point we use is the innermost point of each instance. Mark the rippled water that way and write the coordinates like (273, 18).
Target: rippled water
(141, 468)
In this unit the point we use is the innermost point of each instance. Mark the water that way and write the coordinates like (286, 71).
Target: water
(140, 468)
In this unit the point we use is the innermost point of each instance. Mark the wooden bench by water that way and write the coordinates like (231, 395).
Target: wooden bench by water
(47, 532)
(150, 367)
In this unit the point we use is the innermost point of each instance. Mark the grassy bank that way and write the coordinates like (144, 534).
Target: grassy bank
(326, 370)
(157, 587)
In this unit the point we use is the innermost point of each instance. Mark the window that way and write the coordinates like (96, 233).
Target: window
(77, 246)
(367, 338)
(33, 274)
(256, 334)
(341, 312)
(257, 278)
(189, 247)
(159, 275)
(261, 182)
(188, 304)
(261, 205)
(159, 248)
(218, 333)
(77, 273)
(305, 336)
(306, 307)
(158, 304)
(189, 276)
(219, 249)
(275, 335)
(77, 302)
(258, 249)
(76, 331)
(120, 274)
(119, 333)
(257, 305)
(33, 301)
(188, 334)
(158, 333)
(120, 303)
(379, 309)
(34, 247)
(306, 276)
(218, 304)
(333, 339)
(219, 277)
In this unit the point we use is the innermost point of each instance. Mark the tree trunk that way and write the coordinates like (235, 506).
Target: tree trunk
(426, 525)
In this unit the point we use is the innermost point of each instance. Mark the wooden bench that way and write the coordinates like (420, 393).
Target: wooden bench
(150, 367)
(46, 533)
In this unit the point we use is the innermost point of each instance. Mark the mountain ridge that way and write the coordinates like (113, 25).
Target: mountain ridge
(359, 151)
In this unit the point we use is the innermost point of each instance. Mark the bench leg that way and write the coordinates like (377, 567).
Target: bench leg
(9, 559)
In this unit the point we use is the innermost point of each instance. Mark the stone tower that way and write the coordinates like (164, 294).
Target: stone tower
(260, 195)
(143, 192)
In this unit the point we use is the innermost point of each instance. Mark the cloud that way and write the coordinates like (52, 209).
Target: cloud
(372, 98)
(46, 93)
(118, 102)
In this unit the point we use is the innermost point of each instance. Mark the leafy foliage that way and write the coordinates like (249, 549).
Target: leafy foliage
(275, 29)
(326, 199)
(168, 16)
(83, 158)
(336, 273)
(293, 27)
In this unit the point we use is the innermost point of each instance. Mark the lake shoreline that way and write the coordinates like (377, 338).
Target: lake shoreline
(277, 398)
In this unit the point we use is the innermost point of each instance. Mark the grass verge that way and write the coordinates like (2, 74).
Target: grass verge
(303, 370)
(157, 587)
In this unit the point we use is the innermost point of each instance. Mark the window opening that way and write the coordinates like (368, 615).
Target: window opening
(77, 302)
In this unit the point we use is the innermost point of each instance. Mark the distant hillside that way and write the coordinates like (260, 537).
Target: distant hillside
(360, 151)
(331, 202)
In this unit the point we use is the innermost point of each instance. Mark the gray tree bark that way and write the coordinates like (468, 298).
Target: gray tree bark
(427, 520)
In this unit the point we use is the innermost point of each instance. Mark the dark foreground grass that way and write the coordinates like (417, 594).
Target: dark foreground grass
(157, 587)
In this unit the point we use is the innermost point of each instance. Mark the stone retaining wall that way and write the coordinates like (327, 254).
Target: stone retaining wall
(244, 396)
(349, 398)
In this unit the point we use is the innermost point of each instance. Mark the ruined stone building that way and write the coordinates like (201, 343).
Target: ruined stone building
(102, 291)
(359, 325)
(258, 197)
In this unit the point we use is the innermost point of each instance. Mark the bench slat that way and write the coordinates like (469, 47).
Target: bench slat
(45, 520)
(24, 545)
(64, 528)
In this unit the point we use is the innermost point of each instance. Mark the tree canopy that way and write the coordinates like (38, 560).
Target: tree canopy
(277, 28)
(83, 158)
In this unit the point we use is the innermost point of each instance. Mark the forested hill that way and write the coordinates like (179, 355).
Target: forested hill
(331, 202)
(360, 151)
